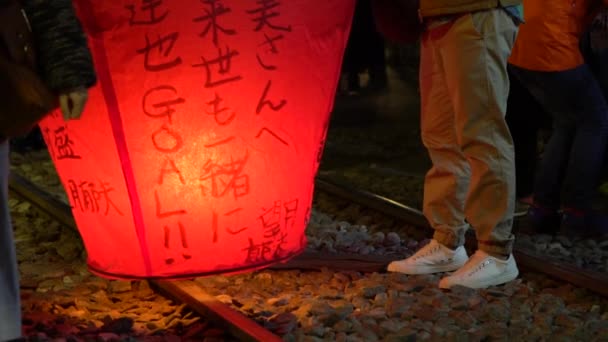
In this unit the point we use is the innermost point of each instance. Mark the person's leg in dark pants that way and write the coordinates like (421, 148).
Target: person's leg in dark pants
(354, 55)
(375, 59)
(525, 116)
(574, 155)
(594, 47)
(365, 50)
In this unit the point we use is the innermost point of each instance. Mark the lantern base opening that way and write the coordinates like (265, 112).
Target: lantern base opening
(226, 271)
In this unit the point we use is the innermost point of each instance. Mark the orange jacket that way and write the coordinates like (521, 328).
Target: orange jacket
(549, 38)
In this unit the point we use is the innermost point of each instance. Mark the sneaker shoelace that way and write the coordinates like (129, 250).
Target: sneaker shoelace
(481, 266)
(430, 251)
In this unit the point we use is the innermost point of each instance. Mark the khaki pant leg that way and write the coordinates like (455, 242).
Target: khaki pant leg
(446, 183)
(475, 53)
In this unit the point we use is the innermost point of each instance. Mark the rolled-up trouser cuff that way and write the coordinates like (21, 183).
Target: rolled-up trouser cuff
(504, 247)
(451, 238)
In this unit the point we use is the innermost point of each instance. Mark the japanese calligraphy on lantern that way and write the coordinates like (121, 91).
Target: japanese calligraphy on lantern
(61, 145)
(199, 146)
(93, 197)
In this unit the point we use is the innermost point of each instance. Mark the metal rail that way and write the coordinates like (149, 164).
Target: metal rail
(204, 304)
(186, 292)
(591, 280)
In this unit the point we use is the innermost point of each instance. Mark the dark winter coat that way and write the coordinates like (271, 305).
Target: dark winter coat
(61, 45)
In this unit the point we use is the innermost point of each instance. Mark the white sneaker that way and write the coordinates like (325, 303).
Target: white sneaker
(432, 258)
(481, 271)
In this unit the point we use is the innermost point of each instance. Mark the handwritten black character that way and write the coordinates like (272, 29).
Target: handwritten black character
(149, 6)
(279, 251)
(273, 134)
(170, 167)
(183, 240)
(291, 211)
(167, 140)
(161, 108)
(89, 202)
(164, 214)
(74, 193)
(258, 252)
(266, 11)
(216, 9)
(64, 145)
(224, 63)
(232, 231)
(222, 115)
(264, 65)
(163, 52)
(105, 194)
(270, 41)
(224, 178)
(271, 220)
(87, 197)
(220, 142)
(264, 102)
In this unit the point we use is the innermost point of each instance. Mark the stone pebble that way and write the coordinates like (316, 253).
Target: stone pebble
(302, 306)
(62, 301)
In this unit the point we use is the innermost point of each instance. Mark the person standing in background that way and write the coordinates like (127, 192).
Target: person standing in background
(548, 61)
(67, 68)
(594, 46)
(526, 119)
(365, 51)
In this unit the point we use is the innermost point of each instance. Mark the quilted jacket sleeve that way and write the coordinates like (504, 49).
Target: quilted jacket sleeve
(63, 55)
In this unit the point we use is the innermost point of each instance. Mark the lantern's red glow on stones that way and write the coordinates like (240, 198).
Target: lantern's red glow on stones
(198, 149)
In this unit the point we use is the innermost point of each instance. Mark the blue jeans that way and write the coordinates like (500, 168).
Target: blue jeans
(10, 309)
(574, 154)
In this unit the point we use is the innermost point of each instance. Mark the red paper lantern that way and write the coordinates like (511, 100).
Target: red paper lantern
(198, 149)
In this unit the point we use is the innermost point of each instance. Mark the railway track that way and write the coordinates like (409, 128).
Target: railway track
(246, 329)
(184, 291)
(591, 280)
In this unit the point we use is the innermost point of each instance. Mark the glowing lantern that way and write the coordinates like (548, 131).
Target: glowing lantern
(198, 149)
